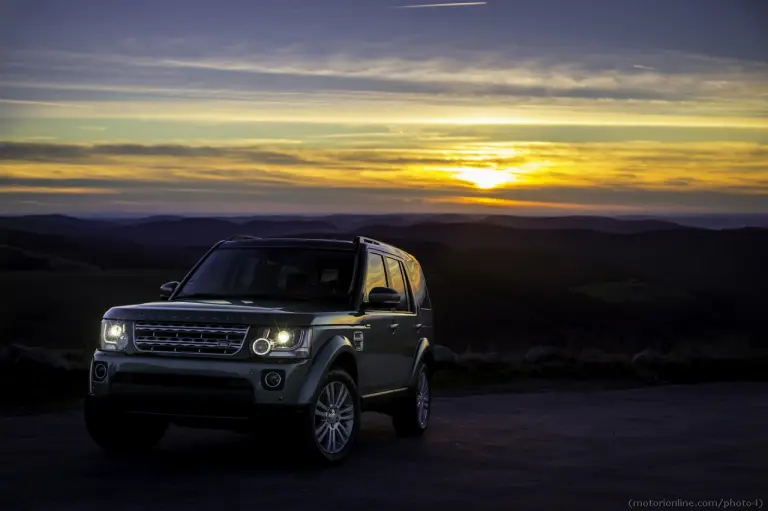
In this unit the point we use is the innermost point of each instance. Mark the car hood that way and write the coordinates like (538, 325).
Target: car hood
(235, 311)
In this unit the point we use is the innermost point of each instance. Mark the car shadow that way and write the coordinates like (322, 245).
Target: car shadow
(186, 452)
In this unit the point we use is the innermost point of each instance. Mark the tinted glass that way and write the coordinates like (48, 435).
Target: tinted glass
(272, 272)
(426, 303)
(418, 284)
(397, 282)
(375, 276)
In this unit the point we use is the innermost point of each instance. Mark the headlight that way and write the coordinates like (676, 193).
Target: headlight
(115, 334)
(281, 342)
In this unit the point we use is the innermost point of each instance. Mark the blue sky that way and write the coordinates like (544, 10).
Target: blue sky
(375, 105)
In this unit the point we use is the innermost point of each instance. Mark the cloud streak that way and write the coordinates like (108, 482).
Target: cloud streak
(40, 103)
(672, 73)
(619, 176)
(668, 88)
(453, 4)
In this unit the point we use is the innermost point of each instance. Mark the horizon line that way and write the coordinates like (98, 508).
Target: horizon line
(318, 214)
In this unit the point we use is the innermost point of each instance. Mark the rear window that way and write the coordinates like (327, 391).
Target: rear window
(397, 282)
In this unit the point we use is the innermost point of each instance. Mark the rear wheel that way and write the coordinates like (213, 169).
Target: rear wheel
(411, 416)
(333, 419)
(121, 433)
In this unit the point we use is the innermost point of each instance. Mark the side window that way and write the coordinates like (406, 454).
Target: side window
(426, 303)
(397, 282)
(375, 276)
(418, 284)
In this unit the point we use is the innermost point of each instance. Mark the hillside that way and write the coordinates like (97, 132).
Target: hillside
(105, 251)
(619, 285)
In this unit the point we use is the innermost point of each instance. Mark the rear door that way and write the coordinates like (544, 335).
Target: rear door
(404, 327)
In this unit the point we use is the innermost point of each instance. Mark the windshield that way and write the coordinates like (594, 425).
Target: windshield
(273, 273)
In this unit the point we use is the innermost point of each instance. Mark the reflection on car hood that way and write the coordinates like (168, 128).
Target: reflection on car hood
(235, 311)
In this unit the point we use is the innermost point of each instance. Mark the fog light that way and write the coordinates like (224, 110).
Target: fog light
(273, 380)
(261, 346)
(99, 371)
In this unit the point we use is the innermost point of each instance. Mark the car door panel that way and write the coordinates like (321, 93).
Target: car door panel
(405, 337)
(376, 359)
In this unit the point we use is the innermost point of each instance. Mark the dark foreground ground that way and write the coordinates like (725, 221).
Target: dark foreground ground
(549, 450)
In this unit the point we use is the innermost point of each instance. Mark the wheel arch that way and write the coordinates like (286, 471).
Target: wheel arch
(336, 352)
(424, 354)
(347, 362)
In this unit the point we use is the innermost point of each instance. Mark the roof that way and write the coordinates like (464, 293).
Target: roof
(384, 247)
(322, 244)
(289, 243)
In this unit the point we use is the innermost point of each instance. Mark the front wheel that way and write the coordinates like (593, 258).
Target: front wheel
(120, 433)
(333, 419)
(412, 414)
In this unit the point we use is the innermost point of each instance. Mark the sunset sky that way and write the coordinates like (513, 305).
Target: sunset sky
(310, 106)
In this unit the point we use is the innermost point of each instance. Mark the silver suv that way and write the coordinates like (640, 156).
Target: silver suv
(304, 333)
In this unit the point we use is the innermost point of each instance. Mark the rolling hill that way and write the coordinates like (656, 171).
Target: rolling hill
(581, 281)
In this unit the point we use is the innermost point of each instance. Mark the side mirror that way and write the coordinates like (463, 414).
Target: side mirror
(167, 289)
(383, 297)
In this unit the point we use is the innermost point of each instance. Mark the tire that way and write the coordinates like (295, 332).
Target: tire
(410, 418)
(330, 418)
(120, 433)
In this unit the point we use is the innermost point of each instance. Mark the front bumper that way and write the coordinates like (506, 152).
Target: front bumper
(186, 386)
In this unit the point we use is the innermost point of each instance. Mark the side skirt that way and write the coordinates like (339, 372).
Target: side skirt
(382, 402)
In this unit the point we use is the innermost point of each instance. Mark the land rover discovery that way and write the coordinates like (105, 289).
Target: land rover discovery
(305, 334)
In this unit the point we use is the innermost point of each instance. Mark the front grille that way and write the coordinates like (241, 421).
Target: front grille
(199, 338)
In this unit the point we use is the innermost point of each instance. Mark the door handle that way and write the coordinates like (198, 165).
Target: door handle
(394, 325)
(418, 326)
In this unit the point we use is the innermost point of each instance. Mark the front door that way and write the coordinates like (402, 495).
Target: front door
(378, 365)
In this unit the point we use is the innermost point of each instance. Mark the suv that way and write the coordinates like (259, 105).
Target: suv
(302, 333)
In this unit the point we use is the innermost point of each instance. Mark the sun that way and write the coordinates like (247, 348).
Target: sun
(486, 179)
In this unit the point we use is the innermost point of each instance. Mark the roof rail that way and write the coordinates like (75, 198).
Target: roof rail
(370, 241)
(240, 237)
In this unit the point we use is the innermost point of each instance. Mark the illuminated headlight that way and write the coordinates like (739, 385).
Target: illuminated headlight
(284, 337)
(115, 335)
(281, 342)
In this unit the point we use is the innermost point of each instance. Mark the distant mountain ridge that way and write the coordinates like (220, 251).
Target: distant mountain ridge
(178, 230)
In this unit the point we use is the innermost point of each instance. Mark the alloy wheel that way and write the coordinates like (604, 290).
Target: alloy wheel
(422, 400)
(334, 417)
